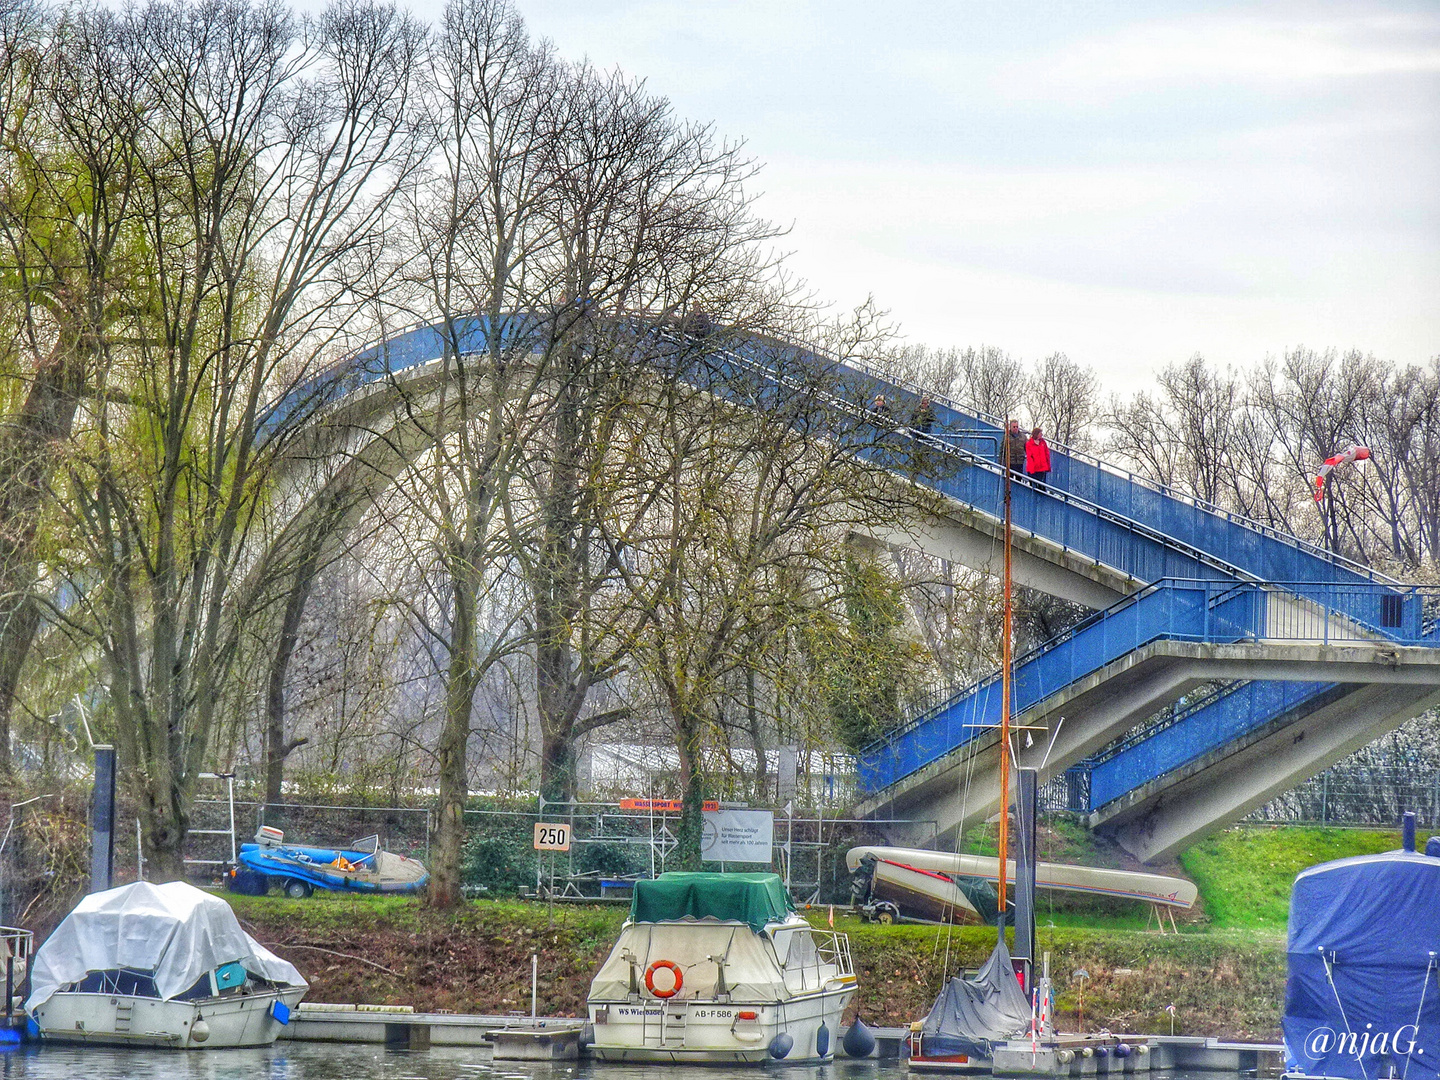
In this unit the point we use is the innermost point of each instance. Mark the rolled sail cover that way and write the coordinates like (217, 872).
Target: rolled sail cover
(1362, 995)
(175, 930)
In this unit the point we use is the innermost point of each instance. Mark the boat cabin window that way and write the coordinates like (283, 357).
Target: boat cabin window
(117, 981)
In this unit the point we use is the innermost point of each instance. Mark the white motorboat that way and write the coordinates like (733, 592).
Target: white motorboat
(159, 965)
(719, 969)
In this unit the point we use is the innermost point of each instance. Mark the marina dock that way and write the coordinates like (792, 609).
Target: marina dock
(401, 1028)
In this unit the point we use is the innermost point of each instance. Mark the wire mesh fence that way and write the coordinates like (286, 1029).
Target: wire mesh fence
(609, 847)
(1358, 795)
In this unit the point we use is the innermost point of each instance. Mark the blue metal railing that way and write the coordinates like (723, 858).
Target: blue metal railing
(1087, 475)
(1246, 707)
(1216, 612)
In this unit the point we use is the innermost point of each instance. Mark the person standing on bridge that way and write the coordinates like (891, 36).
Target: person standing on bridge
(924, 419)
(1037, 459)
(1012, 453)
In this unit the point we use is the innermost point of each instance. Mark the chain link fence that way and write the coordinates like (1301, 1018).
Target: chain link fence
(609, 847)
(1358, 795)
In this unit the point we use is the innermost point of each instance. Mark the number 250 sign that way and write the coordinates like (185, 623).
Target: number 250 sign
(552, 837)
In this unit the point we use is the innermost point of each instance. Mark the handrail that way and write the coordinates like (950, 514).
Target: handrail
(1138, 479)
(890, 380)
(1399, 617)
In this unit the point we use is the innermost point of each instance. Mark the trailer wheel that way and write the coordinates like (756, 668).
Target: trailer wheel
(297, 889)
(887, 916)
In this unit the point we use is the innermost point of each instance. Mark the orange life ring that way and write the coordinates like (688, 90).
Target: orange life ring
(674, 970)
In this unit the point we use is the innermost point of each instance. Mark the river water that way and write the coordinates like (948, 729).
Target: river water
(336, 1061)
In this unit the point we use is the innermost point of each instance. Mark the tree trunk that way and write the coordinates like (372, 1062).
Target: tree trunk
(19, 620)
(277, 746)
(757, 739)
(165, 825)
(555, 583)
(28, 443)
(444, 889)
(692, 792)
(557, 763)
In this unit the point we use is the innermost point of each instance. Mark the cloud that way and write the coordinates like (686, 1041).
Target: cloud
(1227, 49)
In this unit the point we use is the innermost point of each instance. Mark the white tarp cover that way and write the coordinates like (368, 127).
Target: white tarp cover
(175, 930)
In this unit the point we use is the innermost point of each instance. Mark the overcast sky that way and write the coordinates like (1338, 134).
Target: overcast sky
(1128, 183)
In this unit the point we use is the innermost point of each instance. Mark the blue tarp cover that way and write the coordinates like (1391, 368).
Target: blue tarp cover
(1362, 996)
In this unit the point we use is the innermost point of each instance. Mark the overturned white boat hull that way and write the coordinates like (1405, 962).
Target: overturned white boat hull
(1096, 881)
(122, 1020)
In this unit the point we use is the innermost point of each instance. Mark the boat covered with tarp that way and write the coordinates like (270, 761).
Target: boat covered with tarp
(1361, 998)
(719, 968)
(970, 1016)
(159, 965)
(298, 870)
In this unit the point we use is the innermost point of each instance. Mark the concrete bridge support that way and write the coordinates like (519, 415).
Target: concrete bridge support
(1162, 818)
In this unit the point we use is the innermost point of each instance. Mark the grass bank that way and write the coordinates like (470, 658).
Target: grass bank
(477, 959)
(1244, 874)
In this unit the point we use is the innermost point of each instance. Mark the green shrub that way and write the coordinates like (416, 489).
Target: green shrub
(500, 862)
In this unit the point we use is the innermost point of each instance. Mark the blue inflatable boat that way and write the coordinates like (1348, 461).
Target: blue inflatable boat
(298, 871)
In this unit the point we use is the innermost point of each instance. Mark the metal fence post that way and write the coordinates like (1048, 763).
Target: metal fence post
(1324, 794)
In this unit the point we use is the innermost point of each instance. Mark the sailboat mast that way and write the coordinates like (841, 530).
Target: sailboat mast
(1005, 659)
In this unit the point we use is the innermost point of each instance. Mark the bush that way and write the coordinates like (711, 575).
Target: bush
(612, 859)
(499, 862)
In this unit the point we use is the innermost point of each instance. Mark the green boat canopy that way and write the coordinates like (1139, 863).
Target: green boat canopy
(756, 899)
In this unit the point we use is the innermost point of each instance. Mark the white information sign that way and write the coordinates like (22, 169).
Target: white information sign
(745, 836)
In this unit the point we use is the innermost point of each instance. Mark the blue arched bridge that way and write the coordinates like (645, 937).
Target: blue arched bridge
(1224, 662)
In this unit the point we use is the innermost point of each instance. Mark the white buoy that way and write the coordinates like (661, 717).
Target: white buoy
(201, 1030)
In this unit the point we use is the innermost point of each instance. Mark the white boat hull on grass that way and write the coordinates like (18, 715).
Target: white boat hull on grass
(121, 1020)
(707, 1033)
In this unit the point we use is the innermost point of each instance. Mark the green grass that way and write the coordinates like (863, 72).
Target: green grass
(1244, 874)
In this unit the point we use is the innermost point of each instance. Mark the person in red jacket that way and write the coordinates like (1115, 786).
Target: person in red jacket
(1037, 458)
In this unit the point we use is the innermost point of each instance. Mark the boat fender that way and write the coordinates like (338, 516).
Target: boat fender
(859, 1041)
(1143, 1049)
(1102, 1051)
(280, 1011)
(674, 969)
(822, 1040)
(1122, 1050)
(200, 1030)
(1065, 1057)
(781, 1045)
(1087, 1052)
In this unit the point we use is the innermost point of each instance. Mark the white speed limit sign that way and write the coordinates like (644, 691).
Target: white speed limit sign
(552, 837)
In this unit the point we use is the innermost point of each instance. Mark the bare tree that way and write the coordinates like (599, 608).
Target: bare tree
(266, 160)
(746, 537)
(68, 210)
(1063, 398)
